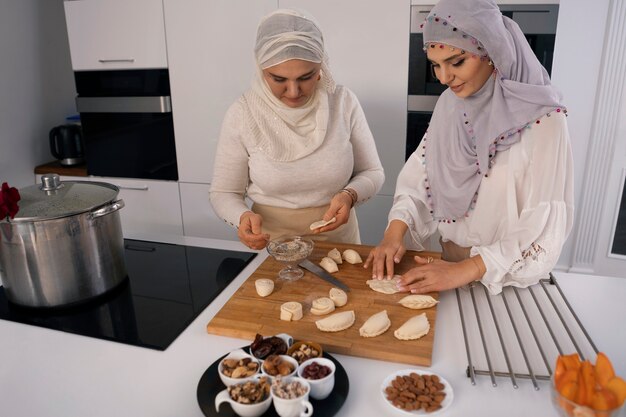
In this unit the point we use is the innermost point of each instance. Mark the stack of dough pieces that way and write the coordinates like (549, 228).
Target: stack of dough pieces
(291, 311)
(339, 297)
(322, 306)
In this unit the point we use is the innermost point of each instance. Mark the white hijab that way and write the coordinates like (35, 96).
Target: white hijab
(285, 133)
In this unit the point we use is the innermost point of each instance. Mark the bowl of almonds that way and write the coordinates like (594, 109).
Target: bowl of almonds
(416, 392)
(237, 367)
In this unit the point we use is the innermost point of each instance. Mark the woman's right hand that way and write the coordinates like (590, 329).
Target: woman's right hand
(388, 252)
(250, 232)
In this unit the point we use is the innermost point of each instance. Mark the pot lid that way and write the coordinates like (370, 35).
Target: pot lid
(54, 199)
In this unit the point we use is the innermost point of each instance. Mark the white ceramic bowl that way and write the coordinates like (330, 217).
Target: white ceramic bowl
(286, 358)
(293, 407)
(320, 388)
(286, 338)
(444, 405)
(244, 410)
(237, 355)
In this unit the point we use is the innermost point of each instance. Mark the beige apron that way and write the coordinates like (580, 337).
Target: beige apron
(452, 252)
(279, 221)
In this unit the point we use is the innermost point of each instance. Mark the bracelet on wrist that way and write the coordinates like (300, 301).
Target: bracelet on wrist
(352, 195)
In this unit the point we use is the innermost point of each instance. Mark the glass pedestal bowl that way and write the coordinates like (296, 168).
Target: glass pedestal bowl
(290, 250)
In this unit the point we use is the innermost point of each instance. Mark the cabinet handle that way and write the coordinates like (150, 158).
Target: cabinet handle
(104, 61)
(140, 188)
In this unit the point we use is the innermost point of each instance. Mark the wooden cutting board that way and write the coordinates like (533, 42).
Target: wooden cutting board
(246, 313)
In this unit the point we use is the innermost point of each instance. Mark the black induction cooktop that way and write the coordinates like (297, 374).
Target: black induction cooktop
(167, 287)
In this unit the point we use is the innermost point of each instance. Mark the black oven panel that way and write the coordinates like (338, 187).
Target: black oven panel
(126, 118)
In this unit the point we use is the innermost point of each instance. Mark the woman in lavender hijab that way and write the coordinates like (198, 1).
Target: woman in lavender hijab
(493, 173)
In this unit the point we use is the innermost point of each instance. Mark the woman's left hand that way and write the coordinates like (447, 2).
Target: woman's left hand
(437, 275)
(340, 206)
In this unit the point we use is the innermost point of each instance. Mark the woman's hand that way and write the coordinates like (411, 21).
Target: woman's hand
(388, 252)
(250, 232)
(441, 275)
(340, 206)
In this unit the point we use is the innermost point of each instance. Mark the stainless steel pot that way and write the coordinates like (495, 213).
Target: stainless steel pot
(65, 245)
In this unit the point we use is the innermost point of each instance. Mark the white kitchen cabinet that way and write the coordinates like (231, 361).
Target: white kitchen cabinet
(210, 49)
(116, 34)
(151, 206)
(199, 219)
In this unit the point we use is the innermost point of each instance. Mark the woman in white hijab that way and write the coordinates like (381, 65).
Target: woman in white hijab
(296, 144)
(493, 174)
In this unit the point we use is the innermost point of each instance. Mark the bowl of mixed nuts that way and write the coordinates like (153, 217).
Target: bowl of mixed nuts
(415, 392)
(251, 398)
(305, 350)
(237, 367)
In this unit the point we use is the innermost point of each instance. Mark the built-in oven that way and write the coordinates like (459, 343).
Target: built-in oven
(537, 21)
(127, 125)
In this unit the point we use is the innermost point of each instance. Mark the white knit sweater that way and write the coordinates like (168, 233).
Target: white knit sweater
(346, 158)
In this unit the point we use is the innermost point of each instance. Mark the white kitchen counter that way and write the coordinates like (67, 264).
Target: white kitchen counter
(52, 373)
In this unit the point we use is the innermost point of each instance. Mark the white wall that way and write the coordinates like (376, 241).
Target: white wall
(576, 67)
(36, 84)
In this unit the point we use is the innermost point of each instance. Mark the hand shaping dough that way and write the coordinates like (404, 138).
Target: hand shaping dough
(336, 322)
(386, 286)
(413, 328)
(418, 301)
(339, 297)
(264, 286)
(375, 325)
(291, 311)
(352, 257)
(321, 223)
(322, 305)
(329, 265)
(335, 255)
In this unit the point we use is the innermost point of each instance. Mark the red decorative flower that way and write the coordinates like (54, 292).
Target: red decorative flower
(9, 196)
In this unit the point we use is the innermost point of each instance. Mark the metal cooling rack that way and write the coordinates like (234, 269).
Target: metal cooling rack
(518, 333)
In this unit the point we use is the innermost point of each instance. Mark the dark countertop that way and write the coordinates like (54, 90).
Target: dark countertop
(55, 167)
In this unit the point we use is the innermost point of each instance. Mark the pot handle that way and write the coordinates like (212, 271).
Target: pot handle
(103, 211)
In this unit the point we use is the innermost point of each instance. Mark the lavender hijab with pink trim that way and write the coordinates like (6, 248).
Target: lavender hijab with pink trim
(464, 135)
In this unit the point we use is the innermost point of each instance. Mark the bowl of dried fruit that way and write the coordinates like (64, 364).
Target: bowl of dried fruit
(320, 373)
(262, 347)
(305, 350)
(580, 388)
(414, 392)
(238, 366)
(251, 398)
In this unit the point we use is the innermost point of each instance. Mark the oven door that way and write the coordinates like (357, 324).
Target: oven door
(127, 123)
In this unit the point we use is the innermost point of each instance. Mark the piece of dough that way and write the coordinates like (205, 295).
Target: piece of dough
(264, 286)
(335, 255)
(414, 328)
(376, 325)
(352, 257)
(321, 223)
(329, 265)
(418, 301)
(386, 286)
(291, 311)
(322, 306)
(339, 297)
(336, 322)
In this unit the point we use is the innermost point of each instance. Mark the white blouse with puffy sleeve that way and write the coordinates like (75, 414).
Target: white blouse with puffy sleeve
(523, 213)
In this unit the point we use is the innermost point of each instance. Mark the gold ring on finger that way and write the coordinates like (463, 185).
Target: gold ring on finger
(430, 260)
